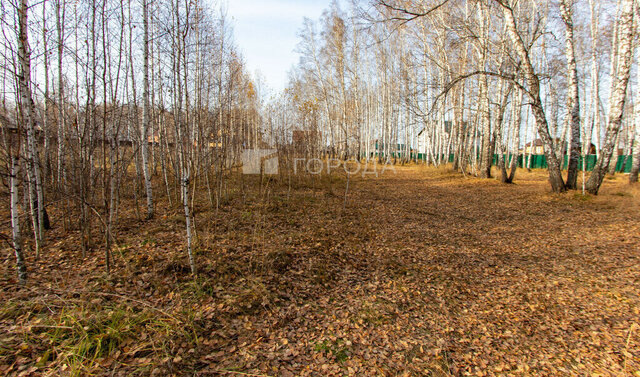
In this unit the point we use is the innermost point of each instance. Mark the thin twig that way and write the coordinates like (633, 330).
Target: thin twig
(246, 374)
(119, 296)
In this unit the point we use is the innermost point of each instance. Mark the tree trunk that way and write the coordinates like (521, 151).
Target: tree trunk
(15, 221)
(635, 165)
(145, 113)
(28, 111)
(517, 118)
(485, 111)
(617, 100)
(45, 118)
(504, 93)
(555, 172)
(61, 115)
(573, 117)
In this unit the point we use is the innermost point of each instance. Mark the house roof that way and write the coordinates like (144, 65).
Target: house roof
(536, 143)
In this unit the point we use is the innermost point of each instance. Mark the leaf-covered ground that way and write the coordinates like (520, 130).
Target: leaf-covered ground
(422, 272)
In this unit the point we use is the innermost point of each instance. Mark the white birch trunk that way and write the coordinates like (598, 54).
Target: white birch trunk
(15, 221)
(624, 58)
(533, 82)
(145, 112)
(573, 117)
(28, 107)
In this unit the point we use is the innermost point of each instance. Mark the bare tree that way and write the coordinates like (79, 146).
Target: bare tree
(623, 56)
(27, 109)
(15, 218)
(573, 115)
(533, 93)
(635, 165)
(145, 110)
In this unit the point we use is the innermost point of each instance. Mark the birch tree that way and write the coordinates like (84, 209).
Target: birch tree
(635, 165)
(573, 113)
(623, 57)
(27, 109)
(145, 110)
(533, 94)
(15, 217)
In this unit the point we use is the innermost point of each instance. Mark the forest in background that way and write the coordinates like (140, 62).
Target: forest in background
(473, 79)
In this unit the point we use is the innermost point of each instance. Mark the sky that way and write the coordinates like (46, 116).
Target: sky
(266, 33)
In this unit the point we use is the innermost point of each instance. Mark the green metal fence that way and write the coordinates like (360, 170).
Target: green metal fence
(623, 162)
(538, 161)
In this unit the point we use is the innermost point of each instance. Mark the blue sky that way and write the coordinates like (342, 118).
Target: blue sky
(266, 33)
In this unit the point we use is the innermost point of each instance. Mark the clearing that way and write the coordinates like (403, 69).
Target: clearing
(424, 272)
